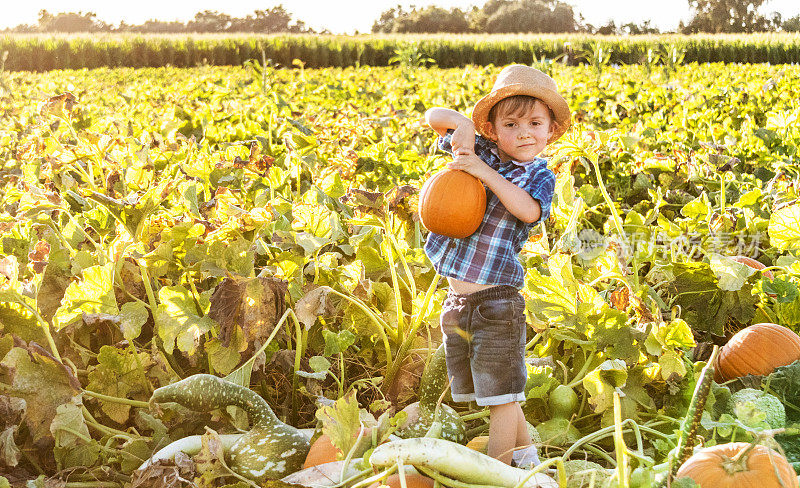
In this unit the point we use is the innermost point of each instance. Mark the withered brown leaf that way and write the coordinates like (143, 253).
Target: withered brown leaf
(620, 298)
(255, 304)
(59, 105)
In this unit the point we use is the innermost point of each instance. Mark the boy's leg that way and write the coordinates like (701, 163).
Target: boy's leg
(523, 436)
(503, 430)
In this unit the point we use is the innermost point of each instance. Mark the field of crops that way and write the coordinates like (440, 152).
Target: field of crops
(260, 225)
(43, 52)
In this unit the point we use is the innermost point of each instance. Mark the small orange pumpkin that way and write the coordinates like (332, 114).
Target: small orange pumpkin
(756, 265)
(413, 480)
(757, 349)
(323, 451)
(718, 467)
(452, 203)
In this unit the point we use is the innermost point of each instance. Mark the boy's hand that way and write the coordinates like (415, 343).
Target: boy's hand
(469, 162)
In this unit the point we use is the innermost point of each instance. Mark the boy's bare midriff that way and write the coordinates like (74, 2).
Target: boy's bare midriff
(465, 287)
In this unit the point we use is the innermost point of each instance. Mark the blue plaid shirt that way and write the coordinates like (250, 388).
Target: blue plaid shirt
(489, 255)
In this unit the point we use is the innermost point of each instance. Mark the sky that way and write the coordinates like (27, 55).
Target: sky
(349, 16)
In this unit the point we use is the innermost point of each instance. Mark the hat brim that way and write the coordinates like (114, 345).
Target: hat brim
(554, 100)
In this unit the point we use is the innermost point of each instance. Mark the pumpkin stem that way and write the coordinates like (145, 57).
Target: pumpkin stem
(739, 462)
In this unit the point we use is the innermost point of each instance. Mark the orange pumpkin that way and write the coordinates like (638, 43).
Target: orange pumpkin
(452, 203)
(757, 349)
(413, 480)
(717, 467)
(756, 265)
(323, 451)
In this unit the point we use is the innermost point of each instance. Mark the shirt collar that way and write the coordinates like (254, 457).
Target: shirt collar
(517, 163)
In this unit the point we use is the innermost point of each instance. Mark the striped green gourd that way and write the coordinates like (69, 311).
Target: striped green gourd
(422, 414)
(271, 449)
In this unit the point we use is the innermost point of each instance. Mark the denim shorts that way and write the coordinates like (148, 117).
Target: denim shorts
(484, 340)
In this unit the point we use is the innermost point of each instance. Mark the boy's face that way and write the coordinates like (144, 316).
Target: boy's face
(522, 135)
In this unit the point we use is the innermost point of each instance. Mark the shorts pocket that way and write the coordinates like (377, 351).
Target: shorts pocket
(495, 311)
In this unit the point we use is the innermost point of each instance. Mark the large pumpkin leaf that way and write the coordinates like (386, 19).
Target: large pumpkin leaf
(601, 382)
(178, 320)
(44, 385)
(94, 293)
(784, 228)
(71, 434)
(122, 374)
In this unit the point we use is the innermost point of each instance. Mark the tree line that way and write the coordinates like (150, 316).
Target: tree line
(273, 20)
(495, 16)
(555, 16)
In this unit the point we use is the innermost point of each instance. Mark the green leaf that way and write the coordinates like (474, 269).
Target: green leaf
(549, 297)
(676, 333)
(94, 293)
(749, 198)
(224, 359)
(133, 315)
(540, 381)
(42, 383)
(613, 334)
(68, 426)
(672, 367)
(696, 209)
(783, 288)
(223, 258)
(119, 373)
(731, 274)
(784, 228)
(319, 364)
(601, 382)
(337, 342)
(788, 312)
(178, 320)
(71, 434)
(341, 422)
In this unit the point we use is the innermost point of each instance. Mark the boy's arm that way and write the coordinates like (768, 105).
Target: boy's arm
(516, 200)
(441, 119)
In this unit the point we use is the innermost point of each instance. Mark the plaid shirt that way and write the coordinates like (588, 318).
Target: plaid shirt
(489, 256)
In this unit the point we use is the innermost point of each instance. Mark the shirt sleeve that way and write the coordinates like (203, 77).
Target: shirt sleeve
(540, 186)
(445, 142)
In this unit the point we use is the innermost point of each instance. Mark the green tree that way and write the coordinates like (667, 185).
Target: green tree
(70, 22)
(506, 16)
(153, 25)
(385, 22)
(720, 16)
(432, 19)
(428, 19)
(274, 20)
(638, 29)
(209, 21)
(791, 24)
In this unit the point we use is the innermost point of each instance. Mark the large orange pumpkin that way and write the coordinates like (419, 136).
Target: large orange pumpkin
(452, 203)
(757, 349)
(413, 480)
(715, 467)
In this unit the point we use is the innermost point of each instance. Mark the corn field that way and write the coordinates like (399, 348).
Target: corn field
(49, 52)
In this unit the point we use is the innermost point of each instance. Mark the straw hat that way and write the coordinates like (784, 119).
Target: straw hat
(519, 79)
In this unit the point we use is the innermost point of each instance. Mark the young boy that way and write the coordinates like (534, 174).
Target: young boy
(483, 316)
